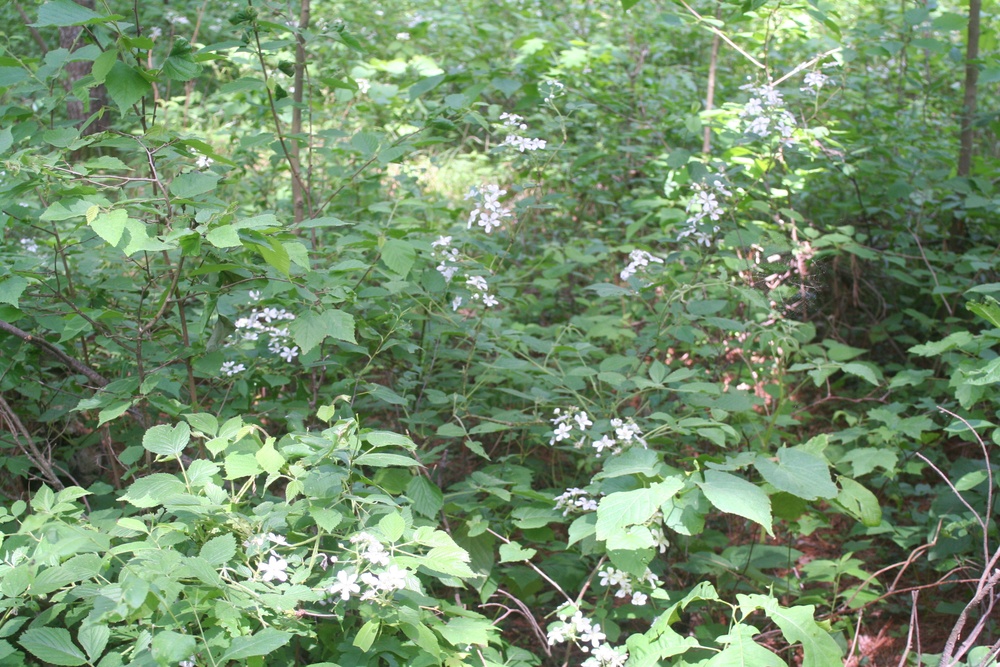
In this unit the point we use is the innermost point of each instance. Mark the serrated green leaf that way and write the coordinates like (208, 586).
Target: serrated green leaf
(262, 643)
(53, 646)
(515, 553)
(126, 86)
(224, 236)
(367, 635)
(366, 142)
(451, 560)
(110, 225)
(11, 290)
(392, 526)
(219, 550)
(399, 256)
(859, 502)
(735, 495)
(94, 639)
(269, 458)
(798, 625)
(798, 472)
(426, 497)
(63, 13)
(617, 511)
(153, 490)
(187, 186)
(167, 440)
(866, 372)
(311, 329)
(171, 647)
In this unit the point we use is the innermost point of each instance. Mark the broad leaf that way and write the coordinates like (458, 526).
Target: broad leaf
(53, 646)
(735, 495)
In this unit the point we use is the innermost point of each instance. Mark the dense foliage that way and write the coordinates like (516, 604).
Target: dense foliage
(498, 333)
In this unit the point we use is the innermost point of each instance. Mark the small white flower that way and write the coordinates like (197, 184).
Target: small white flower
(364, 85)
(489, 300)
(155, 32)
(288, 353)
(274, 568)
(814, 81)
(402, 36)
(254, 295)
(478, 283)
(204, 162)
(29, 245)
(277, 539)
(456, 303)
(345, 585)
(442, 242)
(639, 599)
(231, 368)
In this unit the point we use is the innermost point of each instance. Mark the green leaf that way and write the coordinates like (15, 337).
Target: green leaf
(799, 472)
(94, 639)
(103, 64)
(110, 226)
(450, 560)
(399, 256)
(126, 86)
(629, 4)
(6, 140)
(515, 553)
(381, 460)
(113, 411)
(63, 13)
(859, 502)
(171, 647)
(988, 374)
(180, 65)
(366, 142)
(239, 466)
(866, 371)
(269, 458)
(735, 495)
(392, 526)
(11, 290)
(275, 255)
(187, 186)
(798, 625)
(367, 634)
(310, 330)
(153, 490)
(426, 497)
(53, 646)
(262, 643)
(742, 651)
(389, 439)
(224, 236)
(627, 508)
(219, 550)
(462, 631)
(167, 440)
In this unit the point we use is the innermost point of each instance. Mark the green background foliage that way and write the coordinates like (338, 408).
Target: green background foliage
(523, 333)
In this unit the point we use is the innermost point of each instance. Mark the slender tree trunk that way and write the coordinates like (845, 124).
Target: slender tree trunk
(971, 81)
(299, 194)
(958, 229)
(713, 64)
(70, 39)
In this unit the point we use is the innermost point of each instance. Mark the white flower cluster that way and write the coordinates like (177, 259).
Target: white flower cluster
(814, 81)
(626, 433)
(703, 206)
(574, 627)
(611, 577)
(204, 162)
(575, 499)
(262, 321)
(402, 36)
(514, 126)
(29, 245)
(606, 655)
(375, 585)
(488, 214)
(364, 85)
(481, 291)
(449, 257)
(764, 110)
(275, 568)
(638, 259)
(552, 89)
(231, 368)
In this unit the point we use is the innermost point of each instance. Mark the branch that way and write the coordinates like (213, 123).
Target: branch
(74, 364)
